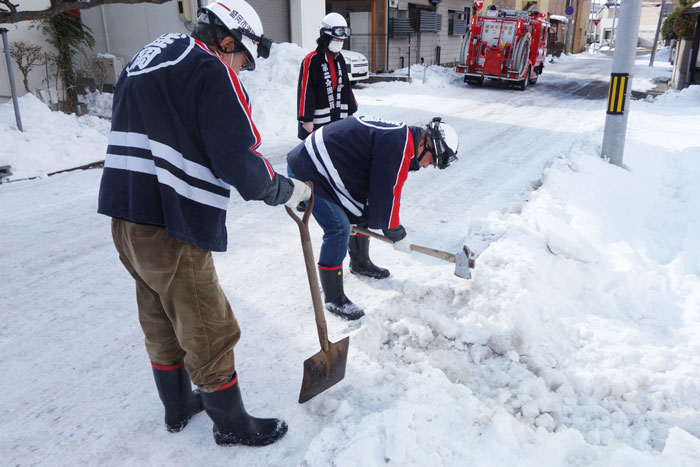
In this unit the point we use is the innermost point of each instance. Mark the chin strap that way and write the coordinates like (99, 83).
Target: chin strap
(212, 30)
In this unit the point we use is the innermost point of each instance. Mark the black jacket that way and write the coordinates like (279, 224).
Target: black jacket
(316, 100)
(360, 164)
(183, 136)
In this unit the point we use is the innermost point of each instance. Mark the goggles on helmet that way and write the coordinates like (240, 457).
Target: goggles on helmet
(263, 43)
(339, 32)
(443, 155)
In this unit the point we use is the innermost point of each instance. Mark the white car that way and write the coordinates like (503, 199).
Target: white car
(358, 66)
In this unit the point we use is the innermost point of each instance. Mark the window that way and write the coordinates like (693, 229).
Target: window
(458, 23)
(427, 21)
(399, 24)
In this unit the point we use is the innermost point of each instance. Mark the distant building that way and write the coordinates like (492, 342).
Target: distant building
(647, 23)
(390, 33)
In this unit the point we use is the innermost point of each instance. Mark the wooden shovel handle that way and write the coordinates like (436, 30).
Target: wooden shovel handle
(443, 255)
(311, 272)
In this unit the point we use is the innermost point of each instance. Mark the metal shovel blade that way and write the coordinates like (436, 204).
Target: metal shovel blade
(324, 369)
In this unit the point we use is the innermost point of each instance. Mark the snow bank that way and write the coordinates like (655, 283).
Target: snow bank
(51, 141)
(273, 91)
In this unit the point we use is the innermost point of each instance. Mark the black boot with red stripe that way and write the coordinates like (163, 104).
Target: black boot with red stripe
(334, 296)
(233, 425)
(180, 401)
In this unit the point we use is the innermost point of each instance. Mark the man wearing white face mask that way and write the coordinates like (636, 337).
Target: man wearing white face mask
(324, 94)
(182, 140)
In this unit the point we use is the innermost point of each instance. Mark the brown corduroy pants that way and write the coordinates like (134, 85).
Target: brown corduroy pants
(183, 311)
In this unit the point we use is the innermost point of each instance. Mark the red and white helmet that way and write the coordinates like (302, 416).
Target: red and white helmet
(334, 25)
(244, 24)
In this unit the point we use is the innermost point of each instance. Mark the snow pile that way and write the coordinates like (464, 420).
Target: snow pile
(435, 76)
(51, 141)
(597, 297)
(272, 87)
(98, 103)
(646, 78)
(683, 103)
(662, 54)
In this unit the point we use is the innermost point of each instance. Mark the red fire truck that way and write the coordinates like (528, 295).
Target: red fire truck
(505, 45)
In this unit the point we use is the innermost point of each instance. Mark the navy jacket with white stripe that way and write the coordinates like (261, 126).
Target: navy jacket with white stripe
(182, 135)
(313, 101)
(361, 164)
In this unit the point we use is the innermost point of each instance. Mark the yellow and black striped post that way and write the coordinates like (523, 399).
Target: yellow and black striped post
(617, 108)
(617, 93)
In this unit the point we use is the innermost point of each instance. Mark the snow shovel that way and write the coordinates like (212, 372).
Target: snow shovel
(327, 367)
(464, 260)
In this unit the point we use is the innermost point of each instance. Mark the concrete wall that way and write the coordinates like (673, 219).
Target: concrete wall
(23, 31)
(306, 15)
(122, 30)
(679, 78)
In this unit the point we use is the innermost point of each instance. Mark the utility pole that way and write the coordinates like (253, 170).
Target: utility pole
(11, 75)
(656, 36)
(612, 31)
(621, 82)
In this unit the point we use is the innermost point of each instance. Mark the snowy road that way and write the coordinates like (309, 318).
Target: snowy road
(573, 344)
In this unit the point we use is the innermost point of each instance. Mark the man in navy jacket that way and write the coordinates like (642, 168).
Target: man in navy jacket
(182, 136)
(358, 167)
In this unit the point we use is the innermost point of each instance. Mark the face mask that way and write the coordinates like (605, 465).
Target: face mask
(335, 46)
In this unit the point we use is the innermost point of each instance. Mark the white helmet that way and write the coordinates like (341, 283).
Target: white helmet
(446, 142)
(334, 25)
(244, 24)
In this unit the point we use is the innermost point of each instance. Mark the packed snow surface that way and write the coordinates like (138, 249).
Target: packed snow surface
(574, 343)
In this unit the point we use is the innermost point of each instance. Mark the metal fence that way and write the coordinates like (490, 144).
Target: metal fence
(388, 54)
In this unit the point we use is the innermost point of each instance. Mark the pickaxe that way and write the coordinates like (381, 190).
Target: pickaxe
(464, 259)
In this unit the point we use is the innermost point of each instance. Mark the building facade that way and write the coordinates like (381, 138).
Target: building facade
(121, 30)
(609, 17)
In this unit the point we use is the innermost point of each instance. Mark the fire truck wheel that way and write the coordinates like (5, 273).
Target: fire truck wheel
(522, 85)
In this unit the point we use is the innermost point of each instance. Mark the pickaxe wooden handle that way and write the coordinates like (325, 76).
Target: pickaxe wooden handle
(464, 260)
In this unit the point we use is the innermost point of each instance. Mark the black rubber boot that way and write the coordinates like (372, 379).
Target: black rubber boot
(360, 264)
(233, 425)
(180, 401)
(336, 301)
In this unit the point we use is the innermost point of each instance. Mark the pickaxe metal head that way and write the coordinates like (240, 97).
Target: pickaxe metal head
(464, 263)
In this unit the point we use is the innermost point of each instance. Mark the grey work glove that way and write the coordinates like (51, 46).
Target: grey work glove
(403, 245)
(400, 239)
(302, 192)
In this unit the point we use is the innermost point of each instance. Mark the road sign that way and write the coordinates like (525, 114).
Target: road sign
(667, 9)
(596, 21)
(478, 4)
(569, 10)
